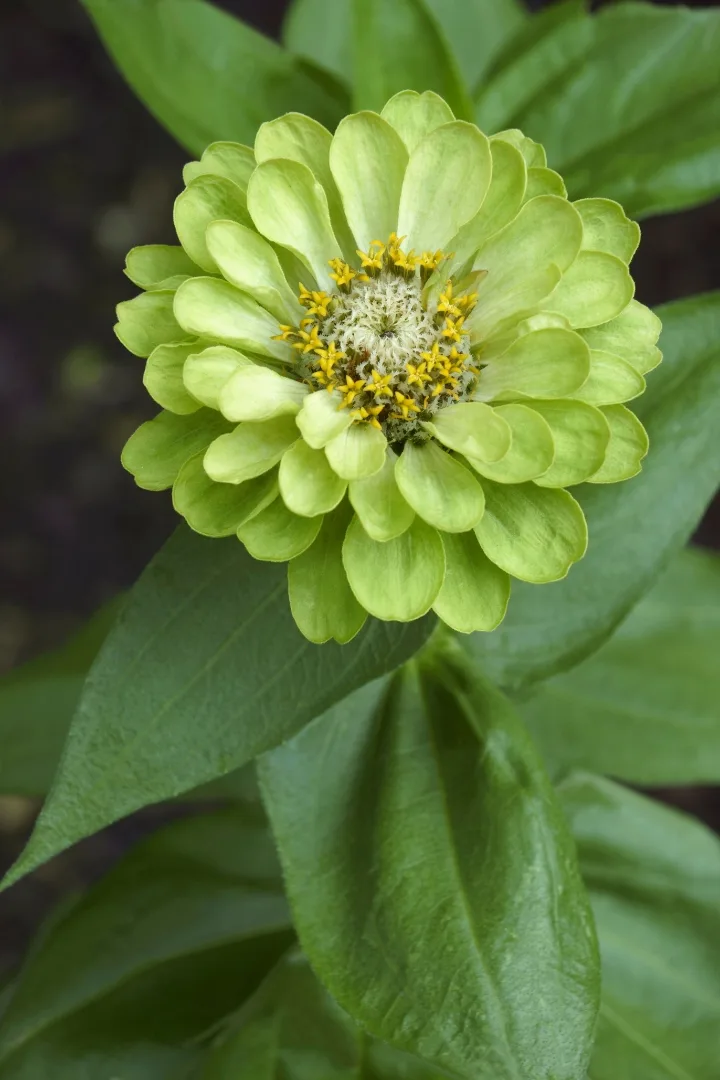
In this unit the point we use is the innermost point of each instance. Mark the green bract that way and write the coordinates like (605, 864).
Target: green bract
(383, 355)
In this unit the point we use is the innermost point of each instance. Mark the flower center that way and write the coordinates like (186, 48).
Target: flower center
(395, 359)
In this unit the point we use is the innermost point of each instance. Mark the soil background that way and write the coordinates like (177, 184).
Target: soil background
(86, 174)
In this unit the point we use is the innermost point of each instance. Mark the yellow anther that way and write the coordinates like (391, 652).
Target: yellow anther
(417, 373)
(406, 405)
(434, 358)
(380, 384)
(430, 260)
(317, 302)
(468, 302)
(351, 388)
(372, 260)
(342, 273)
(287, 333)
(453, 328)
(447, 304)
(309, 342)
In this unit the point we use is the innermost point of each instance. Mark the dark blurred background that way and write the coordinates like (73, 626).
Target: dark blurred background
(86, 174)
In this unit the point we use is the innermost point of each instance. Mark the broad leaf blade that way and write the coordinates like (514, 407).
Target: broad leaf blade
(433, 884)
(654, 880)
(477, 30)
(204, 670)
(635, 527)
(645, 707)
(321, 31)
(204, 74)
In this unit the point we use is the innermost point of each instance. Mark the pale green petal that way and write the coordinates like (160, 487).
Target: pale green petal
(219, 509)
(148, 321)
(321, 418)
(150, 266)
(156, 452)
(611, 381)
(632, 335)
(163, 378)
(289, 206)
(300, 138)
(277, 535)
(594, 290)
(542, 364)
(607, 228)
(307, 483)
(215, 309)
(321, 600)
(206, 199)
(438, 198)
(368, 160)
(627, 447)
(415, 115)
(544, 182)
(531, 452)
(250, 450)
(377, 501)
(500, 309)
(357, 451)
(581, 435)
(229, 159)
(532, 152)
(439, 488)
(259, 393)
(472, 428)
(475, 592)
(398, 580)
(248, 261)
(205, 373)
(535, 534)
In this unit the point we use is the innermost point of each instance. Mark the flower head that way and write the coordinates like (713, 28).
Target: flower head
(383, 356)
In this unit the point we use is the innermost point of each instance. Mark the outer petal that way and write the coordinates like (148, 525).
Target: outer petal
(544, 182)
(219, 509)
(368, 160)
(581, 435)
(247, 261)
(610, 382)
(627, 447)
(532, 533)
(357, 451)
(531, 453)
(204, 200)
(205, 373)
(148, 321)
(398, 580)
(532, 152)
(149, 266)
(259, 393)
(290, 207)
(163, 378)
(321, 600)
(607, 228)
(156, 452)
(377, 501)
(472, 428)
(300, 138)
(276, 534)
(415, 115)
(307, 483)
(229, 159)
(321, 419)
(500, 309)
(475, 592)
(632, 335)
(595, 289)
(437, 200)
(250, 450)
(214, 309)
(439, 488)
(544, 364)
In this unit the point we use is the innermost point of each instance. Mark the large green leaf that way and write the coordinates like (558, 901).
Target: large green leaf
(321, 32)
(204, 670)
(167, 944)
(433, 884)
(477, 30)
(646, 707)
(400, 46)
(634, 527)
(627, 104)
(204, 74)
(654, 880)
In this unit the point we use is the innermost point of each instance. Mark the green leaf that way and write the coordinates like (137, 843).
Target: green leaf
(432, 882)
(477, 30)
(636, 526)
(401, 46)
(654, 880)
(626, 103)
(205, 75)
(169, 942)
(320, 31)
(645, 707)
(204, 670)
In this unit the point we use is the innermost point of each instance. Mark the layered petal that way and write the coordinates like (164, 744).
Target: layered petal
(250, 450)
(278, 535)
(415, 115)
(157, 451)
(213, 509)
(439, 488)
(248, 261)
(206, 199)
(308, 484)
(532, 450)
(254, 392)
(580, 434)
(475, 592)
(215, 309)
(379, 503)
(626, 449)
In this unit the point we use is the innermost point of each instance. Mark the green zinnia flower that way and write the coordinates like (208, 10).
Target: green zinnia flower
(383, 355)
